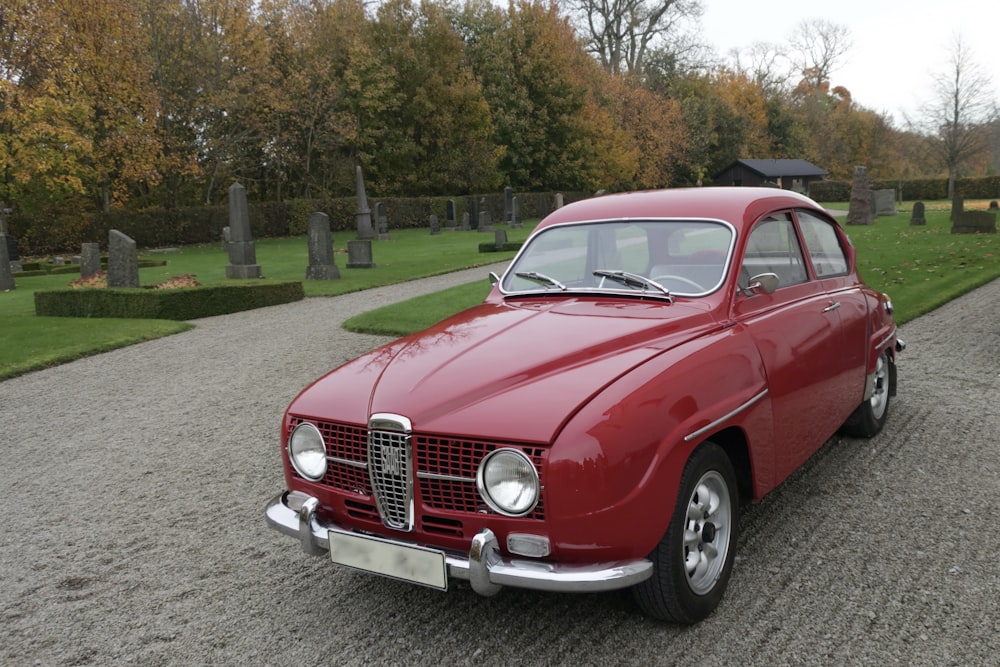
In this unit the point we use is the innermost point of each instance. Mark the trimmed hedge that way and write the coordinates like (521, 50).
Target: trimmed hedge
(918, 189)
(45, 269)
(510, 246)
(166, 304)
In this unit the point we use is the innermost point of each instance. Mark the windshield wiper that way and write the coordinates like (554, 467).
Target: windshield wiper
(540, 278)
(631, 280)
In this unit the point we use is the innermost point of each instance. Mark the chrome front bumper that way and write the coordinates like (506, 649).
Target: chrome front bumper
(484, 567)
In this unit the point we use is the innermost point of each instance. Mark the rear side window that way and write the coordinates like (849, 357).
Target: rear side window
(823, 245)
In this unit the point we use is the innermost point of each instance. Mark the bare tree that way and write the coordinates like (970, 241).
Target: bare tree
(621, 33)
(764, 63)
(817, 47)
(957, 121)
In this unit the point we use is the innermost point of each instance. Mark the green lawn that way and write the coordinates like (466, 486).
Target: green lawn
(28, 342)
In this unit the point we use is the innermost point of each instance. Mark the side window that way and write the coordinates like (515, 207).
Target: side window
(774, 248)
(823, 246)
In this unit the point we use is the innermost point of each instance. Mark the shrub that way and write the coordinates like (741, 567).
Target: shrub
(166, 304)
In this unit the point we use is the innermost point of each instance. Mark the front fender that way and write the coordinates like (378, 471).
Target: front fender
(614, 469)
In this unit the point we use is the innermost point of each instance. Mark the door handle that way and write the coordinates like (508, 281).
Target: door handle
(833, 306)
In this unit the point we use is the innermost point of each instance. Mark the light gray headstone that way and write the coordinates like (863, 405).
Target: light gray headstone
(90, 259)
(123, 260)
(6, 276)
(321, 262)
(500, 238)
(515, 214)
(485, 221)
(885, 202)
(363, 217)
(242, 253)
(508, 205)
(466, 225)
(435, 224)
(359, 254)
(559, 200)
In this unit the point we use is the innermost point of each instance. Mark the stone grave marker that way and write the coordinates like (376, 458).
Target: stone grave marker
(485, 222)
(435, 224)
(123, 260)
(6, 275)
(885, 202)
(90, 259)
(515, 214)
(993, 205)
(13, 254)
(242, 253)
(359, 254)
(559, 200)
(363, 217)
(918, 217)
(466, 225)
(321, 263)
(450, 219)
(473, 214)
(382, 221)
(859, 211)
(975, 222)
(499, 238)
(957, 206)
(227, 238)
(508, 205)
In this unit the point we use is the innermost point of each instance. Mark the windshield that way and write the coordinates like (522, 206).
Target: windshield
(656, 257)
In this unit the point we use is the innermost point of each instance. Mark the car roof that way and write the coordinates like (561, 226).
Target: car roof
(737, 205)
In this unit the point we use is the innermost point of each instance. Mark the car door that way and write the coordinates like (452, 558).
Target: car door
(826, 250)
(797, 335)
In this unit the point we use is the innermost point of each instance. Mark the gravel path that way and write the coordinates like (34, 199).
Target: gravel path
(131, 529)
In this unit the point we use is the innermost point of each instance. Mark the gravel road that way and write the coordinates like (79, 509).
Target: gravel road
(131, 529)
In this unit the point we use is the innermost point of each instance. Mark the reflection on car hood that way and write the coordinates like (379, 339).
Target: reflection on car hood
(515, 370)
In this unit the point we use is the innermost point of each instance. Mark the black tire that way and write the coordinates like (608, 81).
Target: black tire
(869, 417)
(693, 561)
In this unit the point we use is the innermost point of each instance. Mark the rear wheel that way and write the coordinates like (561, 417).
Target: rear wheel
(693, 561)
(869, 417)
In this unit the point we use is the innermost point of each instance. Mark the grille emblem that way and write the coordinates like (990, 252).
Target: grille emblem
(392, 460)
(389, 458)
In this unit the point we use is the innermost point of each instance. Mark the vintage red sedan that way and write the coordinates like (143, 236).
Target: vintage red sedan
(647, 364)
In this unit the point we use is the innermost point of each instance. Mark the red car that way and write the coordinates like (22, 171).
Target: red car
(648, 363)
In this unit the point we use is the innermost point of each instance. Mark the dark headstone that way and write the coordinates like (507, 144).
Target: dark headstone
(957, 206)
(90, 259)
(474, 213)
(975, 222)
(435, 224)
(13, 254)
(321, 264)
(123, 260)
(363, 217)
(993, 205)
(6, 275)
(242, 253)
(359, 254)
(515, 214)
(917, 217)
(508, 205)
(450, 217)
(500, 238)
(859, 211)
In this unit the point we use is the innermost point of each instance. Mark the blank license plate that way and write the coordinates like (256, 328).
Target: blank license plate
(417, 565)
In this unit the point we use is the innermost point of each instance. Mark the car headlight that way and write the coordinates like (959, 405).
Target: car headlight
(508, 482)
(307, 451)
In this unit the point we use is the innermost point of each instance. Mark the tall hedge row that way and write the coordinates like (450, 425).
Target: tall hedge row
(923, 189)
(183, 226)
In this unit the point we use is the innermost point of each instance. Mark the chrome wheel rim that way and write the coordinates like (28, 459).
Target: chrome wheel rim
(880, 388)
(707, 529)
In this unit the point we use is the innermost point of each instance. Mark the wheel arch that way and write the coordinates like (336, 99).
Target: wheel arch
(733, 442)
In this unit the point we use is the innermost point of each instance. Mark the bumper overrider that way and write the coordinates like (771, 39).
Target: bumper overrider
(484, 567)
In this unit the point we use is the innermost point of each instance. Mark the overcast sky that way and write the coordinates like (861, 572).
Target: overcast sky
(898, 45)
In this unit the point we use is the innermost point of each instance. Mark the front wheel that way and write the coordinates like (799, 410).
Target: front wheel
(869, 417)
(693, 561)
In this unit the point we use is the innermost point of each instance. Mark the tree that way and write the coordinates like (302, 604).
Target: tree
(817, 46)
(621, 33)
(957, 121)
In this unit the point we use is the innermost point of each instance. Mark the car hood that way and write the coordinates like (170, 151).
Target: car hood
(515, 370)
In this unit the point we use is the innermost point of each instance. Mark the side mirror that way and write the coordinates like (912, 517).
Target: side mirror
(764, 282)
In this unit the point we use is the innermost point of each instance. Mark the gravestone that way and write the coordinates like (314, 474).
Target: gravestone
(508, 205)
(975, 222)
(13, 254)
(885, 202)
(227, 238)
(242, 253)
(359, 254)
(993, 205)
(473, 214)
(321, 264)
(957, 206)
(485, 222)
(435, 224)
(559, 200)
(90, 259)
(917, 217)
(450, 219)
(363, 217)
(466, 225)
(382, 221)
(515, 214)
(123, 260)
(500, 239)
(859, 211)
(6, 275)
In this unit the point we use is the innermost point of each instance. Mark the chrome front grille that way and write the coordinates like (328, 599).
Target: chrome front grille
(390, 466)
